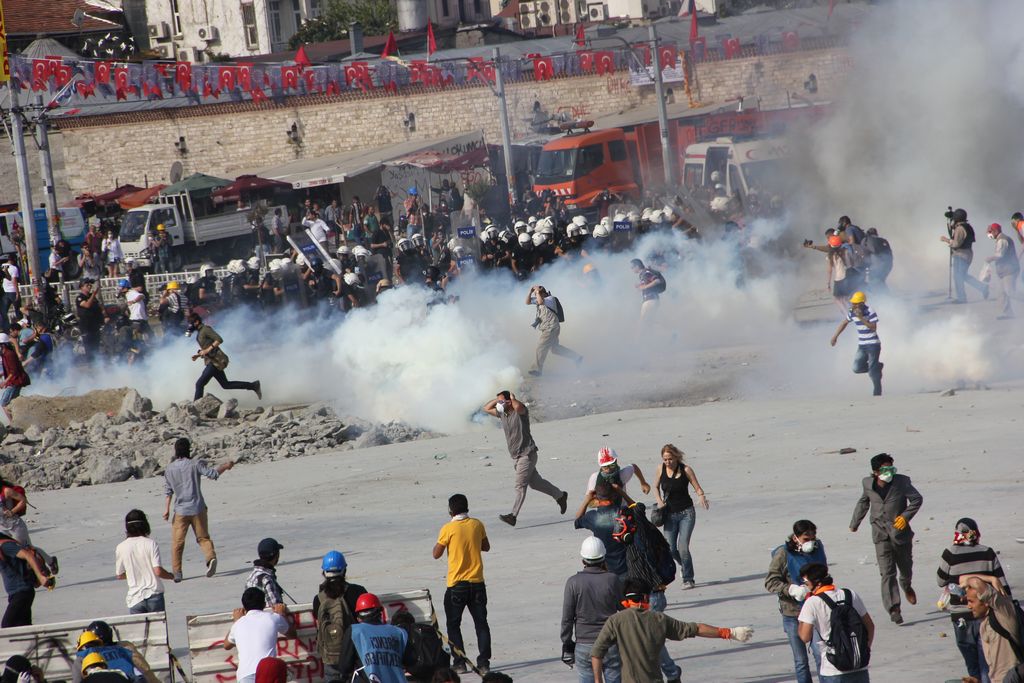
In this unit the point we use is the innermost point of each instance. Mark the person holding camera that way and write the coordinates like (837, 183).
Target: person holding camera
(869, 346)
(549, 324)
(961, 248)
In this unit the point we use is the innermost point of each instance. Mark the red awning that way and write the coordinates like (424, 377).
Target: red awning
(439, 162)
(139, 197)
(247, 184)
(115, 194)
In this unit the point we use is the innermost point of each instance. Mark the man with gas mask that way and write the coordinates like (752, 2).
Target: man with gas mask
(214, 358)
(893, 502)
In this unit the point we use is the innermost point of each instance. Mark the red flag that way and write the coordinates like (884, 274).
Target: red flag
(300, 57)
(431, 42)
(605, 61)
(831, 6)
(694, 31)
(542, 68)
(390, 46)
(581, 37)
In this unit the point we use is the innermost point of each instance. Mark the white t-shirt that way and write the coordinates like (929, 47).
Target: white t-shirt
(135, 557)
(816, 613)
(255, 635)
(136, 304)
(625, 474)
(11, 285)
(317, 228)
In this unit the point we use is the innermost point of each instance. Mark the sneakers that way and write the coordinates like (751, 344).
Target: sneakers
(534, 373)
(509, 519)
(563, 501)
(483, 668)
(258, 389)
(689, 585)
(211, 567)
(177, 577)
(460, 668)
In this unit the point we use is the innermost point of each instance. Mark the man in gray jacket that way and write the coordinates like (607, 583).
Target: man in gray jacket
(893, 502)
(591, 596)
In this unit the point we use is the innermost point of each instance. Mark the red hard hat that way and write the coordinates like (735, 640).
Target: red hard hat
(995, 229)
(835, 240)
(367, 602)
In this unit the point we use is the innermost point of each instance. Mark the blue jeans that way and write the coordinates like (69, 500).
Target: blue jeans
(968, 641)
(854, 677)
(458, 598)
(668, 667)
(803, 672)
(678, 529)
(962, 277)
(611, 664)
(154, 603)
(866, 360)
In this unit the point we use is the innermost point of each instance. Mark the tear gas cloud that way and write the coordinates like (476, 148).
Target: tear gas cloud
(929, 116)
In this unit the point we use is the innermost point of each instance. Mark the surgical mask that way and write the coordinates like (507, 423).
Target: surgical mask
(886, 473)
(991, 236)
(808, 547)
(500, 406)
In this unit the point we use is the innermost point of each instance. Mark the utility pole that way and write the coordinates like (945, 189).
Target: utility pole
(666, 147)
(506, 135)
(46, 166)
(29, 227)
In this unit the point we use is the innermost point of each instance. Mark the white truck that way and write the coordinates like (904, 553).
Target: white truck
(744, 166)
(216, 237)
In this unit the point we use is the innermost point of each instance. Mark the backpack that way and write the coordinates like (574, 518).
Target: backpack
(21, 490)
(333, 621)
(26, 570)
(1017, 647)
(425, 651)
(969, 240)
(658, 288)
(848, 640)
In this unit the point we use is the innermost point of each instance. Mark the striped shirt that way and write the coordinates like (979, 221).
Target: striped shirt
(958, 560)
(865, 335)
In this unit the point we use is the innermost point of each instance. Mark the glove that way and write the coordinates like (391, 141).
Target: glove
(899, 523)
(741, 633)
(569, 654)
(798, 593)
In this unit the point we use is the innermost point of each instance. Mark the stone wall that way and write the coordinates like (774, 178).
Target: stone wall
(230, 138)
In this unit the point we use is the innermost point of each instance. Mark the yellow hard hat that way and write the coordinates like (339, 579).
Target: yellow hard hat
(93, 659)
(173, 286)
(589, 267)
(87, 638)
(160, 228)
(858, 298)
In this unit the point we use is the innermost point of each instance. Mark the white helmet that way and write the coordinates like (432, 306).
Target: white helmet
(344, 250)
(602, 230)
(656, 217)
(719, 187)
(351, 279)
(573, 230)
(539, 239)
(544, 224)
(669, 212)
(606, 222)
(645, 214)
(507, 236)
(206, 267)
(236, 266)
(520, 226)
(253, 263)
(275, 265)
(405, 244)
(459, 252)
(492, 232)
(716, 177)
(451, 244)
(583, 230)
(192, 279)
(418, 240)
(593, 549)
(633, 216)
(579, 221)
(524, 240)
(361, 252)
(531, 220)
(619, 217)
(548, 230)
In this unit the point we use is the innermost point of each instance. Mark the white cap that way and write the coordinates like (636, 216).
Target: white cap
(5, 338)
(593, 549)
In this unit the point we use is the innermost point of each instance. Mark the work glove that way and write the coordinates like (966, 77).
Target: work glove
(741, 633)
(569, 653)
(798, 593)
(900, 523)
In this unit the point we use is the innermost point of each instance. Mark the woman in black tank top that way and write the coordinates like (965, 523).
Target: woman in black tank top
(671, 488)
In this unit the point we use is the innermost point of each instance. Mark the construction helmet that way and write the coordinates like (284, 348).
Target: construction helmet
(206, 267)
(858, 298)
(253, 263)
(334, 563)
(93, 659)
(539, 239)
(160, 227)
(173, 286)
(607, 456)
(123, 283)
(367, 602)
(89, 639)
(835, 241)
(592, 550)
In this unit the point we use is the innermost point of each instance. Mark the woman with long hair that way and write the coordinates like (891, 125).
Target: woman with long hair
(671, 489)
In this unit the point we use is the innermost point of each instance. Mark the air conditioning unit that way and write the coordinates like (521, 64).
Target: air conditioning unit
(183, 56)
(165, 51)
(566, 11)
(545, 12)
(528, 15)
(210, 34)
(596, 11)
(159, 31)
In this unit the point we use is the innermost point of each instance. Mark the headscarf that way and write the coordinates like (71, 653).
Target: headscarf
(271, 670)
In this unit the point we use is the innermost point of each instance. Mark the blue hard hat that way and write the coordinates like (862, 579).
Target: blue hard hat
(123, 283)
(333, 563)
(413, 191)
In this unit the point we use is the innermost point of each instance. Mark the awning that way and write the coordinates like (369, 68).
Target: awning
(197, 183)
(115, 194)
(139, 197)
(337, 168)
(442, 162)
(249, 183)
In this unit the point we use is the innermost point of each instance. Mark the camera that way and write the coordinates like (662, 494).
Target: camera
(808, 243)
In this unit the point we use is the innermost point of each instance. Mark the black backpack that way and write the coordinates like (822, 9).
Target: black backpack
(1016, 646)
(658, 288)
(425, 652)
(558, 310)
(848, 640)
(969, 240)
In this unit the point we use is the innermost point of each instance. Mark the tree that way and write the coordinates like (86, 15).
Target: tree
(376, 16)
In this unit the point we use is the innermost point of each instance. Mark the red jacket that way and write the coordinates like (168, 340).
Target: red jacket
(14, 371)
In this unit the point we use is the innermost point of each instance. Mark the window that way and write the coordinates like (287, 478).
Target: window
(297, 13)
(315, 9)
(175, 18)
(274, 7)
(693, 175)
(252, 36)
(735, 185)
(617, 150)
(444, 8)
(591, 157)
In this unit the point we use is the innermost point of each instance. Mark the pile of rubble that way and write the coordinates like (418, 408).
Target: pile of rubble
(136, 442)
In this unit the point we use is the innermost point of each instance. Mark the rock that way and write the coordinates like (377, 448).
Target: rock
(180, 416)
(207, 406)
(34, 434)
(3, 431)
(98, 420)
(147, 467)
(948, 393)
(106, 470)
(135, 404)
(228, 409)
(374, 436)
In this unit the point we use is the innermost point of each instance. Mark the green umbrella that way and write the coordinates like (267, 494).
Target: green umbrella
(196, 184)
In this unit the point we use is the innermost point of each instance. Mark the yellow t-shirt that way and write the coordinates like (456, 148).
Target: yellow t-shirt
(463, 539)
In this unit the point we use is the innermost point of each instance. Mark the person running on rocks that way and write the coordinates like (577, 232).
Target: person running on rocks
(264, 572)
(181, 483)
(465, 539)
(640, 634)
(816, 616)
(969, 557)
(137, 560)
(783, 579)
(255, 632)
(333, 609)
(670, 490)
(515, 421)
(591, 596)
(215, 360)
(607, 486)
(893, 502)
(549, 324)
(869, 346)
